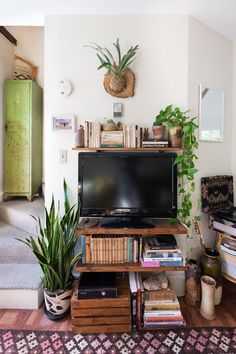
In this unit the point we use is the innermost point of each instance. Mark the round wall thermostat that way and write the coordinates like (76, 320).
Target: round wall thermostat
(64, 87)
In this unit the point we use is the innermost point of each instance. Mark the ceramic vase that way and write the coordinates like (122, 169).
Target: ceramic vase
(192, 283)
(207, 308)
(211, 263)
(57, 303)
(175, 136)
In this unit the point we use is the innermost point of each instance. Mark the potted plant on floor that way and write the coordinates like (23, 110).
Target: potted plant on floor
(54, 250)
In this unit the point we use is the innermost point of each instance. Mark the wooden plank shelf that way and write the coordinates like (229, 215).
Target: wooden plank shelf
(124, 267)
(161, 226)
(125, 149)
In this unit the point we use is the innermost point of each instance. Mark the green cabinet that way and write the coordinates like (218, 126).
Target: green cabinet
(23, 106)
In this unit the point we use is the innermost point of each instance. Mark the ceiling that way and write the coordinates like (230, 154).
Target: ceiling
(218, 14)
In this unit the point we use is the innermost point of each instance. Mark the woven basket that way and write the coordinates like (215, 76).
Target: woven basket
(109, 126)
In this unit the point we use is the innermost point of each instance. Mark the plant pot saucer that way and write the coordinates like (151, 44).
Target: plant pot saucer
(52, 317)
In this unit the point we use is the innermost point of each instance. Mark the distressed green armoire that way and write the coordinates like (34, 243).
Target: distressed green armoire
(23, 107)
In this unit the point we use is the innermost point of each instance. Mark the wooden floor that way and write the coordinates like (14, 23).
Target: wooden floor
(36, 320)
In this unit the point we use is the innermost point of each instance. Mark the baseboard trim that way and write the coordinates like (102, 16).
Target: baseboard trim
(26, 299)
(1, 197)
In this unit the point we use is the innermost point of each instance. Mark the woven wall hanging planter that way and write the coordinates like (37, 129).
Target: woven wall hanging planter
(122, 87)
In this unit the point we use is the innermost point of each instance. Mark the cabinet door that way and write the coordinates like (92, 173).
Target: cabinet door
(17, 169)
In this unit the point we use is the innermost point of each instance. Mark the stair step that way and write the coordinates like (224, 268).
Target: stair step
(12, 250)
(17, 212)
(20, 286)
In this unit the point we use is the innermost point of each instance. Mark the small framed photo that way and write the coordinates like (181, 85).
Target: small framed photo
(117, 110)
(63, 122)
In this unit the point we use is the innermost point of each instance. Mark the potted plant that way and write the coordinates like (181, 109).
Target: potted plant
(54, 250)
(119, 79)
(109, 125)
(175, 120)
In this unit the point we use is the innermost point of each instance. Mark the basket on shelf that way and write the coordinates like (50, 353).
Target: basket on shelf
(24, 70)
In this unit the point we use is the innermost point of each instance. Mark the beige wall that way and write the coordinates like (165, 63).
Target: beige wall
(160, 70)
(6, 72)
(30, 46)
(210, 63)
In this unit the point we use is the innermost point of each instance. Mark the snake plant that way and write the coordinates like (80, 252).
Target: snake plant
(55, 244)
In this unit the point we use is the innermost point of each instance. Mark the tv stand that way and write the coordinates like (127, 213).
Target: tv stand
(126, 223)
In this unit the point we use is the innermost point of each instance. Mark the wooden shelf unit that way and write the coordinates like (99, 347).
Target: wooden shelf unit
(161, 226)
(125, 149)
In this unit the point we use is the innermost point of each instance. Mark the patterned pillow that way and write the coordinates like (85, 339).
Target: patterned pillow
(217, 193)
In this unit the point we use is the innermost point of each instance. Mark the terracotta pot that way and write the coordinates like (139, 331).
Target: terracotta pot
(158, 131)
(57, 303)
(207, 308)
(192, 283)
(211, 263)
(175, 136)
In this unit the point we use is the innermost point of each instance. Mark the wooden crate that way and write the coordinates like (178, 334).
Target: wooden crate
(102, 315)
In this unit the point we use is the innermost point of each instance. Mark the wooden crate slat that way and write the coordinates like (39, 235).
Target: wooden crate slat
(88, 321)
(114, 311)
(102, 329)
(85, 304)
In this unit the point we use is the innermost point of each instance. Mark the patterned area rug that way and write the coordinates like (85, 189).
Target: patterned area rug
(195, 340)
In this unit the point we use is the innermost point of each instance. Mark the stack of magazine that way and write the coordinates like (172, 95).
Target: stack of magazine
(161, 251)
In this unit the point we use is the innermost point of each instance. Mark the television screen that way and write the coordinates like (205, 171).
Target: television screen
(140, 184)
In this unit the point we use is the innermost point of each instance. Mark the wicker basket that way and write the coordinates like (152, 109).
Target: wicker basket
(109, 126)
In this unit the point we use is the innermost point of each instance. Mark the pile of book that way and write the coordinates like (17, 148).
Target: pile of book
(161, 251)
(114, 138)
(111, 249)
(154, 143)
(227, 252)
(129, 137)
(162, 309)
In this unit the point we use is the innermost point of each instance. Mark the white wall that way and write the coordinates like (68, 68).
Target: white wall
(210, 63)
(161, 78)
(6, 72)
(233, 160)
(30, 46)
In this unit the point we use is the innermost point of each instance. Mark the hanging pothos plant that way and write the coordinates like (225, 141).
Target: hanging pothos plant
(185, 160)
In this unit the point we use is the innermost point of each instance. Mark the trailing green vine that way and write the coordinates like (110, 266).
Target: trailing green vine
(185, 160)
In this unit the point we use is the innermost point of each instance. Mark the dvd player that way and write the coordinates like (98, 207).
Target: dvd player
(97, 285)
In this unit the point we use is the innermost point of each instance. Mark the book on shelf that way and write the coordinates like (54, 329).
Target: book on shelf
(133, 292)
(160, 254)
(155, 141)
(159, 242)
(228, 250)
(151, 325)
(160, 296)
(161, 259)
(157, 263)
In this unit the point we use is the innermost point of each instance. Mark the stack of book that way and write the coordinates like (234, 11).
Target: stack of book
(227, 252)
(111, 249)
(92, 132)
(162, 309)
(154, 143)
(161, 251)
(114, 138)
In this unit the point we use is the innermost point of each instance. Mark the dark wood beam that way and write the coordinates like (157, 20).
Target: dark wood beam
(8, 35)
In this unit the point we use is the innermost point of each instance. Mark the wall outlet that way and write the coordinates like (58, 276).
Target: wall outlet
(62, 156)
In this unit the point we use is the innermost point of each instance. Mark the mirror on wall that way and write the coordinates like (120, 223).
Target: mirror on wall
(211, 114)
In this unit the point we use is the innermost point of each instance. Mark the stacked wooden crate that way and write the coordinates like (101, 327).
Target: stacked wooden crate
(102, 315)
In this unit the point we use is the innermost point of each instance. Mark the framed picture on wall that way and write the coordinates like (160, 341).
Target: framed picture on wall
(63, 122)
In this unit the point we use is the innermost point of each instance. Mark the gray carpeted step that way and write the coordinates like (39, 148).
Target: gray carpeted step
(20, 276)
(20, 286)
(12, 250)
(17, 212)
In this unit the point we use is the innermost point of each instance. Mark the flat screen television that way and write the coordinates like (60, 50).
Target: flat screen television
(127, 186)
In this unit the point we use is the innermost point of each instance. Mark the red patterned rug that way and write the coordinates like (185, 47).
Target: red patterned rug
(188, 340)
